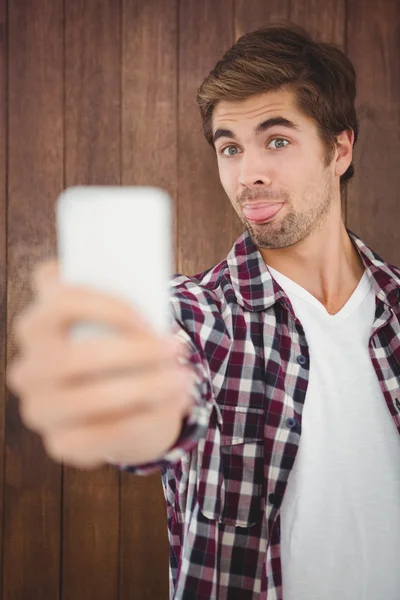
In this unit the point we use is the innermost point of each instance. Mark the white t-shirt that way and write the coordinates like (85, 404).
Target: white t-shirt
(340, 516)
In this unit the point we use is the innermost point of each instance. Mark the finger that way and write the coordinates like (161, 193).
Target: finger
(45, 275)
(106, 398)
(89, 445)
(114, 355)
(70, 305)
(71, 363)
(104, 358)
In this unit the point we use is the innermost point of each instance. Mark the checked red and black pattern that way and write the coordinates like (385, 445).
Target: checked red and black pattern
(225, 478)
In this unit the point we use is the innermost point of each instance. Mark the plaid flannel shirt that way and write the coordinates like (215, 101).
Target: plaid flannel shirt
(225, 477)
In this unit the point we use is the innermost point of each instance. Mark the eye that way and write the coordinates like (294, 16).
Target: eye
(229, 153)
(278, 143)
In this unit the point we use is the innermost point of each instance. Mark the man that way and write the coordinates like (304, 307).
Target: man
(278, 434)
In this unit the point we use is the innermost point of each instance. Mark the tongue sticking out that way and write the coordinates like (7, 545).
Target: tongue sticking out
(262, 211)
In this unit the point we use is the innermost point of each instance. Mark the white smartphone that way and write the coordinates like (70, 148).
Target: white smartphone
(118, 240)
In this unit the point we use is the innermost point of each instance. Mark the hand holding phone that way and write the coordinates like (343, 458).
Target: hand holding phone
(121, 396)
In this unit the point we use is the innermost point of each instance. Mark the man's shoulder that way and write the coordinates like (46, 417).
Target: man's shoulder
(389, 270)
(396, 271)
(202, 286)
(383, 272)
(203, 299)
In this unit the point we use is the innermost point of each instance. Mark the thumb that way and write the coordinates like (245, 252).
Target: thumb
(45, 276)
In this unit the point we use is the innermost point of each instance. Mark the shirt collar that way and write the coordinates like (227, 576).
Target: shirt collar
(256, 290)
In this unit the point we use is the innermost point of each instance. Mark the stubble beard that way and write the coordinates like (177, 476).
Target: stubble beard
(295, 226)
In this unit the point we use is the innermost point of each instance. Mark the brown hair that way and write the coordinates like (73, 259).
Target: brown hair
(285, 55)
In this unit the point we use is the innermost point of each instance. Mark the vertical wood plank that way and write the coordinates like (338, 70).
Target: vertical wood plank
(208, 225)
(3, 257)
(373, 44)
(149, 143)
(253, 15)
(93, 156)
(327, 19)
(35, 177)
(328, 25)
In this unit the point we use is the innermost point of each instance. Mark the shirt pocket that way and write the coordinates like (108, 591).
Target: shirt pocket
(231, 482)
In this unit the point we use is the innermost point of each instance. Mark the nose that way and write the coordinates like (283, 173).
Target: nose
(254, 171)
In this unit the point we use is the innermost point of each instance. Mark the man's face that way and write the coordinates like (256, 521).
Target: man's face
(276, 177)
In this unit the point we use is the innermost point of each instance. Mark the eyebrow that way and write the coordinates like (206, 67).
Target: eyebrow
(260, 128)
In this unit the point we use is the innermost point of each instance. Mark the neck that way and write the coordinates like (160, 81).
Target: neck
(326, 263)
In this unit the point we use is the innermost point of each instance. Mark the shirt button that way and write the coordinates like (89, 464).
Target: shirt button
(291, 423)
(301, 359)
(274, 499)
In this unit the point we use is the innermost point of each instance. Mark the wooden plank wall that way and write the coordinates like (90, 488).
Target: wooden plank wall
(32, 499)
(373, 44)
(3, 247)
(103, 91)
(92, 154)
(149, 153)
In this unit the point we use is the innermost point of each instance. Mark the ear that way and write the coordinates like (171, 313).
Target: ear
(344, 151)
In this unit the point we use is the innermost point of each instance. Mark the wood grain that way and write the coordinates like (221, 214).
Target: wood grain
(31, 566)
(327, 24)
(208, 225)
(373, 44)
(253, 15)
(105, 94)
(326, 20)
(149, 157)
(92, 156)
(3, 256)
